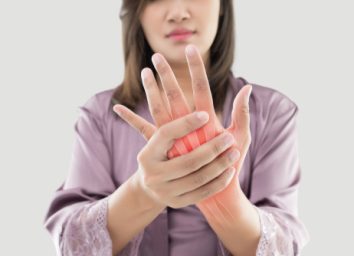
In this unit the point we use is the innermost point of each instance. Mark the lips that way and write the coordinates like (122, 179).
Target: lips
(180, 31)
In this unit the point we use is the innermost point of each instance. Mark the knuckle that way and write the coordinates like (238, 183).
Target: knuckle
(245, 109)
(216, 149)
(228, 159)
(190, 124)
(199, 179)
(142, 129)
(162, 132)
(172, 95)
(191, 163)
(200, 84)
(163, 69)
(156, 110)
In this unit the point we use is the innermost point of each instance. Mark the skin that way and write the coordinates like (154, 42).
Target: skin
(162, 16)
(222, 201)
(194, 152)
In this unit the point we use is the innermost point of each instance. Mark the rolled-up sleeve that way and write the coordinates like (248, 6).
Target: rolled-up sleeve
(275, 181)
(77, 215)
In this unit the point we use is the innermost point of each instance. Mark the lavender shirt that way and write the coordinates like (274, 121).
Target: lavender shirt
(104, 156)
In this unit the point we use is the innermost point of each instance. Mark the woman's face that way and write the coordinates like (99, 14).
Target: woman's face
(161, 17)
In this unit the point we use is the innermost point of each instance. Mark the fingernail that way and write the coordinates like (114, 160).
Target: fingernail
(229, 140)
(156, 59)
(190, 50)
(117, 110)
(234, 155)
(144, 73)
(202, 116)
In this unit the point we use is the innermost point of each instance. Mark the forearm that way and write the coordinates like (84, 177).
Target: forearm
(130, 210)
(237, 226)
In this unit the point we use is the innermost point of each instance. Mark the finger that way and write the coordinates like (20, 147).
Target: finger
(215, 186)
(176, 100)
(159, 112)
(201, 88)
(240, 123)
(175, 96)
(240, 111)
(201, 91)
(138, 123)
(168, 133)
(199, 157)
(205, 174)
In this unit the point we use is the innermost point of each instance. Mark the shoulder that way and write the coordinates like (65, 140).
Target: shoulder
(264, 99)
(272, 113)
(100, 104)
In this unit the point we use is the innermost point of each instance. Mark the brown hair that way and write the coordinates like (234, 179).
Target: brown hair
(137, 55)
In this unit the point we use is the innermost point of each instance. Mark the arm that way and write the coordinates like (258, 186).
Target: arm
(237, 228)
(275, 181)
(135, 210)
(84, 206)
(247, 227)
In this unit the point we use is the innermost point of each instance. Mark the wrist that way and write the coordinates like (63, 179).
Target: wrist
(146, 201)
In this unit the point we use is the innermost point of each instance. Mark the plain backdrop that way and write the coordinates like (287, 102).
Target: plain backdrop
(54, 55)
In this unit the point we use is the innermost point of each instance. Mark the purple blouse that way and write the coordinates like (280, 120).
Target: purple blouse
(104, 156)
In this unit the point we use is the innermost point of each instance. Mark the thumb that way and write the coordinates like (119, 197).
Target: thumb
(240, 111)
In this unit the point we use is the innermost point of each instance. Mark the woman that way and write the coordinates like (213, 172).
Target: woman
(185, 185)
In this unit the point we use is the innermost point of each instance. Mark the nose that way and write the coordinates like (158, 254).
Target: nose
(177, 11)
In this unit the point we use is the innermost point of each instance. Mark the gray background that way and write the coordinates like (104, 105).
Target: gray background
(54, 55)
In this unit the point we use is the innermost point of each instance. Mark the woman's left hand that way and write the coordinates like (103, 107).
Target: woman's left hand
(225, 201)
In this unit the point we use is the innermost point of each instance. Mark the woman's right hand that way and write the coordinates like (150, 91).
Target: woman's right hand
(189, 178)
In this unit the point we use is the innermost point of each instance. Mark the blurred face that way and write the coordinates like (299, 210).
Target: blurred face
(169, 25)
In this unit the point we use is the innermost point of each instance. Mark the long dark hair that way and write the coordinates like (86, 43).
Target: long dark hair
(137, 55)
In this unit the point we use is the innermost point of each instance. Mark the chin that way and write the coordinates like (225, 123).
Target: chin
(181, 60)
(178, 57)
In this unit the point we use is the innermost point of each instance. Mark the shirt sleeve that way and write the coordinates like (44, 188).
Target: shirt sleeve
(275, 181)
(77, 215)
